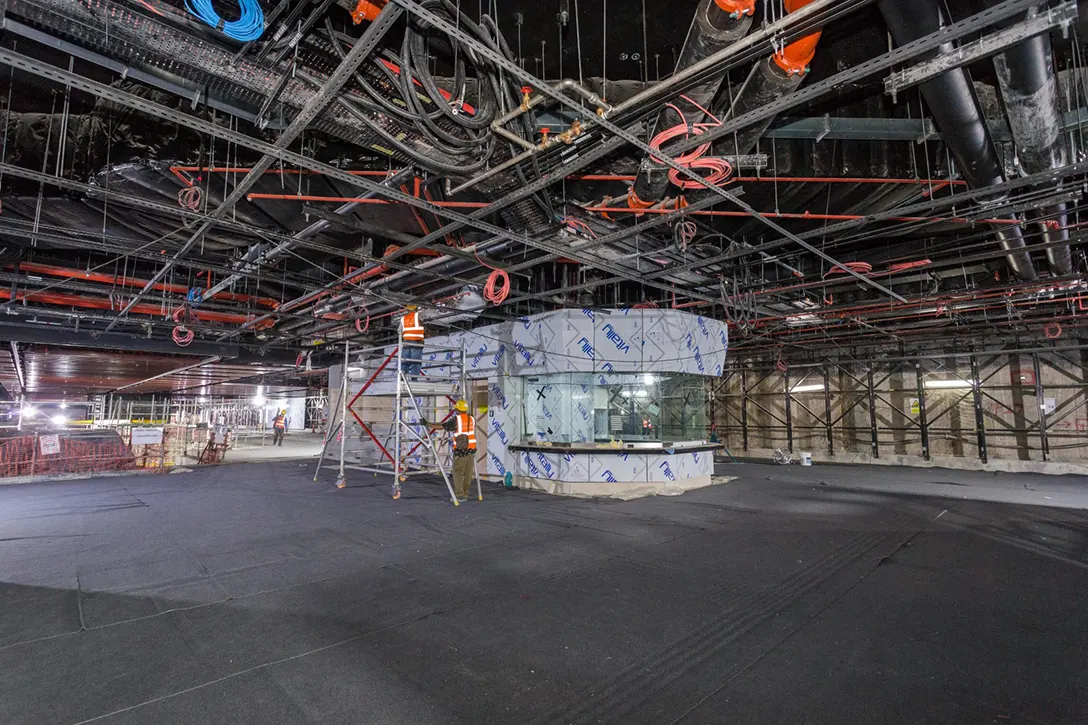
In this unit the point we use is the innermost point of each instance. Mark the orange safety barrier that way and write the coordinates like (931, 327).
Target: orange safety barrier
(29, 455)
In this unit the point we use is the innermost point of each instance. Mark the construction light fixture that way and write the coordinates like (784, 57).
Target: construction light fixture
(63, 405)
(950, 383)
(59, 420)
(814, 387)
(29, 412)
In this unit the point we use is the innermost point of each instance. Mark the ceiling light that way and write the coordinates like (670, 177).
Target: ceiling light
(641, 393)
(807, 388)
(63, 405)
(29, 412)
(59, 420)
(648, 379)
(951, 383)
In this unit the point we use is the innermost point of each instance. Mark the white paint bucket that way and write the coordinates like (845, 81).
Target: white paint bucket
(806, 458)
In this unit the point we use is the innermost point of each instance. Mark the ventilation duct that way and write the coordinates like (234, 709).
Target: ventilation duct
(769, 80)
(1025, 74)
(952, 102)
(158, 45)
(717, 24)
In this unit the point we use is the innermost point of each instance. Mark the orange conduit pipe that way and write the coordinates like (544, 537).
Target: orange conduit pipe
(61, 299)
(79, 274)
(795, 57)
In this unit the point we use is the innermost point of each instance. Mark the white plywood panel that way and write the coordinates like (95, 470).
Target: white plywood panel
(622, 467)
(574, 467)
(618, 340)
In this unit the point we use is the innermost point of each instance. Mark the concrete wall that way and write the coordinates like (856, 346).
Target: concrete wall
(1008, 396)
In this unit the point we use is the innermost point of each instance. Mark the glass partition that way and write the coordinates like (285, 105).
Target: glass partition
(631, 407)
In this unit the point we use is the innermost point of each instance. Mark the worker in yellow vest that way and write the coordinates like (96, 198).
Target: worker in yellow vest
(279, 427)
(412, 337)
(463, 427)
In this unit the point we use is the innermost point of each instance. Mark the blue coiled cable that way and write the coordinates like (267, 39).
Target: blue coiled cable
(248, 27)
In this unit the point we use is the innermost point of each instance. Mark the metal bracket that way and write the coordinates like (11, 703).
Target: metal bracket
(982, 48)
(826, 128)
(929, 131)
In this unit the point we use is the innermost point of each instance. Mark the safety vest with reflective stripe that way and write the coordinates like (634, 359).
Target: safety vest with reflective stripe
(409, 325)
(279, 421)
(466, 426)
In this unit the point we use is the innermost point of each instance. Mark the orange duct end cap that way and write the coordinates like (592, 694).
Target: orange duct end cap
(636, 203)
(736, 8)
(367, 10)
(795, 57)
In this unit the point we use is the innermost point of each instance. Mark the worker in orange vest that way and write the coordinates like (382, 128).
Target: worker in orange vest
(279, 427)
(463, 427)
(412, 337)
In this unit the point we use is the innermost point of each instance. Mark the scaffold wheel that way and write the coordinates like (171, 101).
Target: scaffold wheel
(341, 481)
(396, 493)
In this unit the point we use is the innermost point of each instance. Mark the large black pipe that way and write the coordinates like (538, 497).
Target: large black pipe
(765, 84)
(955, 109)
(712, 30)
(1025, 74)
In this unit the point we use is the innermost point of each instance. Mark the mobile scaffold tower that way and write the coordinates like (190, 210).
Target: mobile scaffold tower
(391, 410)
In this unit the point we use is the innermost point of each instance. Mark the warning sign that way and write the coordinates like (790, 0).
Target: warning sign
(50, 445)
(915, 407)
(146, 436)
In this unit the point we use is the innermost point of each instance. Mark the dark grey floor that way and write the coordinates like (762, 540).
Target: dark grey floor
(248, 594)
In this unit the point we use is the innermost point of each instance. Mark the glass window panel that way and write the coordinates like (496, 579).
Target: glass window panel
(579, 407)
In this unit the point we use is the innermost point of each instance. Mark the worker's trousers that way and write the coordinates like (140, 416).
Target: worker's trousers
(277, 436)
(462, 475)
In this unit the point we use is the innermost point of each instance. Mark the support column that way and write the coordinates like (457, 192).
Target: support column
(744, 406)
(827, 410)
(980, 416)
(923, 424)
(1039, 393)
(872, 412)
(789, 412)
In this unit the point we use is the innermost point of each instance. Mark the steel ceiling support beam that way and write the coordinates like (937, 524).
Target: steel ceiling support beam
(756, 45)
(315, 228)
(18, 366)
(314, 105)
(516, 70)
(891, 129)
(984, 47)
(129, 100)
(193, 93)
(899, 56)
(49, 334)
(168, 373)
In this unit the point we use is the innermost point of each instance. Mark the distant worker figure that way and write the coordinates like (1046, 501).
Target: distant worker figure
(463, 427)
(647, 426)
(413, 336)
(279, 427)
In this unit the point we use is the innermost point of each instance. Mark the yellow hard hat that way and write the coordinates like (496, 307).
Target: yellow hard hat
(462, 406)
(283, 412)
(412, 308)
